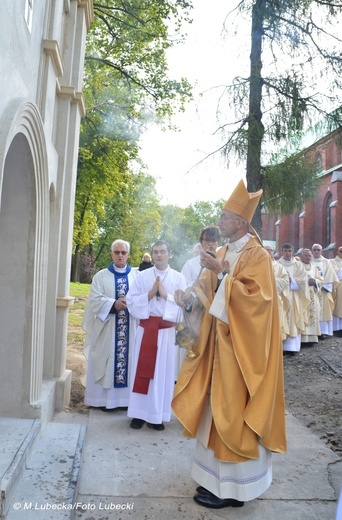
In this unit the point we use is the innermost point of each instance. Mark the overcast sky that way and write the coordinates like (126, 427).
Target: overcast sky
(207, 60)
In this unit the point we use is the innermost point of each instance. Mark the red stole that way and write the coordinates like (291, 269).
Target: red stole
(148, 352)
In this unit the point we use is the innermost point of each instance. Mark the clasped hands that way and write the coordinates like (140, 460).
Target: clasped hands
(120, 303)
(157, 290)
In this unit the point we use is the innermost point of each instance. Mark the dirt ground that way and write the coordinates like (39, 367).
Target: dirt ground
(312, 385)
(313, 389)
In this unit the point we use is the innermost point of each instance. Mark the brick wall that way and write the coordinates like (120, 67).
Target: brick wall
(310, 225)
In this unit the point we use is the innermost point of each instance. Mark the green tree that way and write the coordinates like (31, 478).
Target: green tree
(127, 48)
(125, 84)
(294, 174)
(133, 214)
(182, 226)
(295, 47)
(173, 232)
(197, 216)
(102, 173)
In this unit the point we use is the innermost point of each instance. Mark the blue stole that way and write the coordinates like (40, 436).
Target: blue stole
(121, 334)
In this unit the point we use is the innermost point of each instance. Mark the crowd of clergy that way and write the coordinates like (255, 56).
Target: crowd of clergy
(133, 318)
(309, 291)
(310, 301)
(310, 295)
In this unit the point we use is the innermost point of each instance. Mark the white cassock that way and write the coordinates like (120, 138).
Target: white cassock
(313, 312)
(337, 294)
(284, 298)
(191, 269)
(327, 302)
(155, 406)
(99, 348)
(300, 300)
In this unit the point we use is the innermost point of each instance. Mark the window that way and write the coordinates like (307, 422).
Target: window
(327, 229)
(319, 163)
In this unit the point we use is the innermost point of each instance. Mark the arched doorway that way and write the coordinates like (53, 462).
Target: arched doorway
(17, 239)
(24, 225)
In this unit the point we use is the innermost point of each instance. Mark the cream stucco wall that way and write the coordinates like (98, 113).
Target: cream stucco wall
(41, 106)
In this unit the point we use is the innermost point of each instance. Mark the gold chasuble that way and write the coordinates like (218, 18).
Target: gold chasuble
(240, 365)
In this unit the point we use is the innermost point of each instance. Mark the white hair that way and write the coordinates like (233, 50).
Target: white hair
(119, 241)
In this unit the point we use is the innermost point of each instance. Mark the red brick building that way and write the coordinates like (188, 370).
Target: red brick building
(320, 220)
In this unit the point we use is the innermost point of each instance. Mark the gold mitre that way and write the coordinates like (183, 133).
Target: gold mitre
(243, 203)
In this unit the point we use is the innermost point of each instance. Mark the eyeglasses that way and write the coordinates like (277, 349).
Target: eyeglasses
(120, 253)
(224, 218)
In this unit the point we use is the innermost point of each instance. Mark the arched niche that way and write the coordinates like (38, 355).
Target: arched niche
(24, 199)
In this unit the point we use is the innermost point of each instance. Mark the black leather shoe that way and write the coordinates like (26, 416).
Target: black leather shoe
(158, 427)
(213, 502)
(104, 409)
(137, 424)
(203, 491)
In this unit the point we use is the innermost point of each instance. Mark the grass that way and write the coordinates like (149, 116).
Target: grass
(75, 359)
(75, 316)
(80, 292)
(76, 338)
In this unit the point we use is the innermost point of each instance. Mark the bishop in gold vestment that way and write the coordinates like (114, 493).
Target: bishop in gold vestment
(231, 396)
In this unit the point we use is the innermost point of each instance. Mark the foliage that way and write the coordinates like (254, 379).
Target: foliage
(172, 231)
(199, 215)
(292, 88)
(125, 84)
(286, 191)
(102, 173)
(283, 96)
(132, 214)
(127, 46)
(181, 227)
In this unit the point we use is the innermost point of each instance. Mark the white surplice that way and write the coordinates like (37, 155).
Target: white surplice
(191, 269)
(327, 302)
(155, 406)
(337, 294)
(312, 329)
(300, 300)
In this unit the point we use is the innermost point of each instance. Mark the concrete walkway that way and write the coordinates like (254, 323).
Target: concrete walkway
(145, 474)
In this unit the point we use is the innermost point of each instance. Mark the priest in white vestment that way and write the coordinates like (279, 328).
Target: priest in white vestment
(283, 283)
(151, 300)
(315, 281)
(209, 240)
(330, 283)
(300, 299)
(337, 293)
(110, 333)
